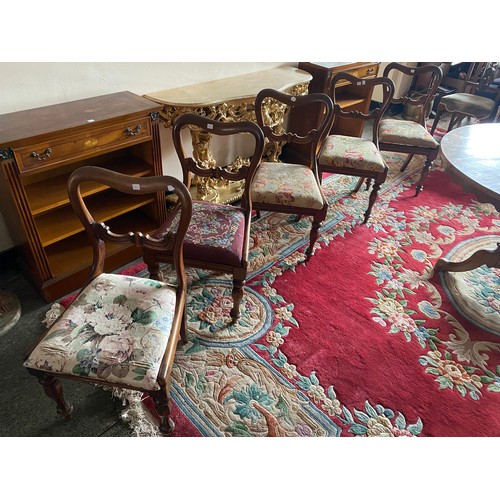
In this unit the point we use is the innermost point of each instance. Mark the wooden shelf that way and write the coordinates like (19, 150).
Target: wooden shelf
(63, 255)
(62, 223)
(345, 100)
(52, 193)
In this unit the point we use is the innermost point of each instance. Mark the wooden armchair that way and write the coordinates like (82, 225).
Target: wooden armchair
(292, 187)
(357, 156)
(218, 235)
(120, 331)
(411, 136)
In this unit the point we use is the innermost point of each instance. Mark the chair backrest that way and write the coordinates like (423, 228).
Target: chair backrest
(99, 232)
(272, 108)
(204, 165)
(340, 80)
(430, 73)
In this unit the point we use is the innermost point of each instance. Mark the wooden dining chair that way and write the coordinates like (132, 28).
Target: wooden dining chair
(120, 331)
(411, 136)
(357, 156)
(287, 187)
(218, 235)
(479, 97)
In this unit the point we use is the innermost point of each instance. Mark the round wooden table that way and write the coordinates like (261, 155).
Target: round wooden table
(472, 155)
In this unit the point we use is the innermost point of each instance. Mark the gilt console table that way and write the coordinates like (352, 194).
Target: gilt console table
(228, 100)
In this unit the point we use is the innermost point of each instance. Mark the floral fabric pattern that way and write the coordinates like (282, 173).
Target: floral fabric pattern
(286, 184)
(394, 131)
(116, 330)
(216, 233)
(351, 152)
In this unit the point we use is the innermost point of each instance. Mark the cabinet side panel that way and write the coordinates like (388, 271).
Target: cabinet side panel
(21, 225)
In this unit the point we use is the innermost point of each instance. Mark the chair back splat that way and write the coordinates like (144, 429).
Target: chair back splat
(218, 235)
(292, 187)
(120, 331)
(357, 156)
(411, 137)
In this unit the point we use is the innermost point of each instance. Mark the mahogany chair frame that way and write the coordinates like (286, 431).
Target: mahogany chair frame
(478, 81)
(99, 233)
(322, 106)
(435, 75)
(196, 166)
(374, 115)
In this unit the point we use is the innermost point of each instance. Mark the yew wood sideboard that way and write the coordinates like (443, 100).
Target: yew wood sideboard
(39, 148)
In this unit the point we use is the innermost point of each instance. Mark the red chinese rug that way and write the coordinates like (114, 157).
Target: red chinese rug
(364, 340)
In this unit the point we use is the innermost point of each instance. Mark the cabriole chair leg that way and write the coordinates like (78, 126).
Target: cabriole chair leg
(163, 407)
(54, 391)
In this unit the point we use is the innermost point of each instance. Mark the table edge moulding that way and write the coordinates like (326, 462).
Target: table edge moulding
(39, 148)
(229, 99)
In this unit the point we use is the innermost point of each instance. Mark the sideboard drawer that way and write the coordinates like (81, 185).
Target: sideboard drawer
(46, 154)
(365, 72)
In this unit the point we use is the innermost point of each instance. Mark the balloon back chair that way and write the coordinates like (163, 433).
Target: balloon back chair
(479, 99)
(411, 136)
(218, 235)
(292, 187)
(357, 156)
(120, 331)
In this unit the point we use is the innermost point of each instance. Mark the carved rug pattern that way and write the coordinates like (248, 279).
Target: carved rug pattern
(361, 341)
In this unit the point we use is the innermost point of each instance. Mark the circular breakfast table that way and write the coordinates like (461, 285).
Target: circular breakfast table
(471, 154)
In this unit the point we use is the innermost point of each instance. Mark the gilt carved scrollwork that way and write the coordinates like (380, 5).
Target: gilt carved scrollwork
(233, 111)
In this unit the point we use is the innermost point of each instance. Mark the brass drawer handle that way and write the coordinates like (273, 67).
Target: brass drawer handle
(135, 131)
(42, 157)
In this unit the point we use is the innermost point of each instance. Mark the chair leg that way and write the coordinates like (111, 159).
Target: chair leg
(439, 112)
(371, 201)
(183, 331)
(406, 163)
(154, 271)
(423, 175)
(316, 224)
(54, 391)
(455, 120)
(163, 407)
(358, 185)
(238, 284)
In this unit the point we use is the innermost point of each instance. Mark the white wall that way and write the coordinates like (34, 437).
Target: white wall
(30, 85)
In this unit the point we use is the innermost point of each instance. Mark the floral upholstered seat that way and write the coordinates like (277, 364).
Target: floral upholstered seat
(286, 184)
(351, 152)
(116, 330)
(218, 235)
(292, 186)
(410, 137)
(119, 331)
(406, 132)
(356, 156)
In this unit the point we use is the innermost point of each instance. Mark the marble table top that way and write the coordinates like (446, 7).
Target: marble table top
(232, 88)
(472, 153)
